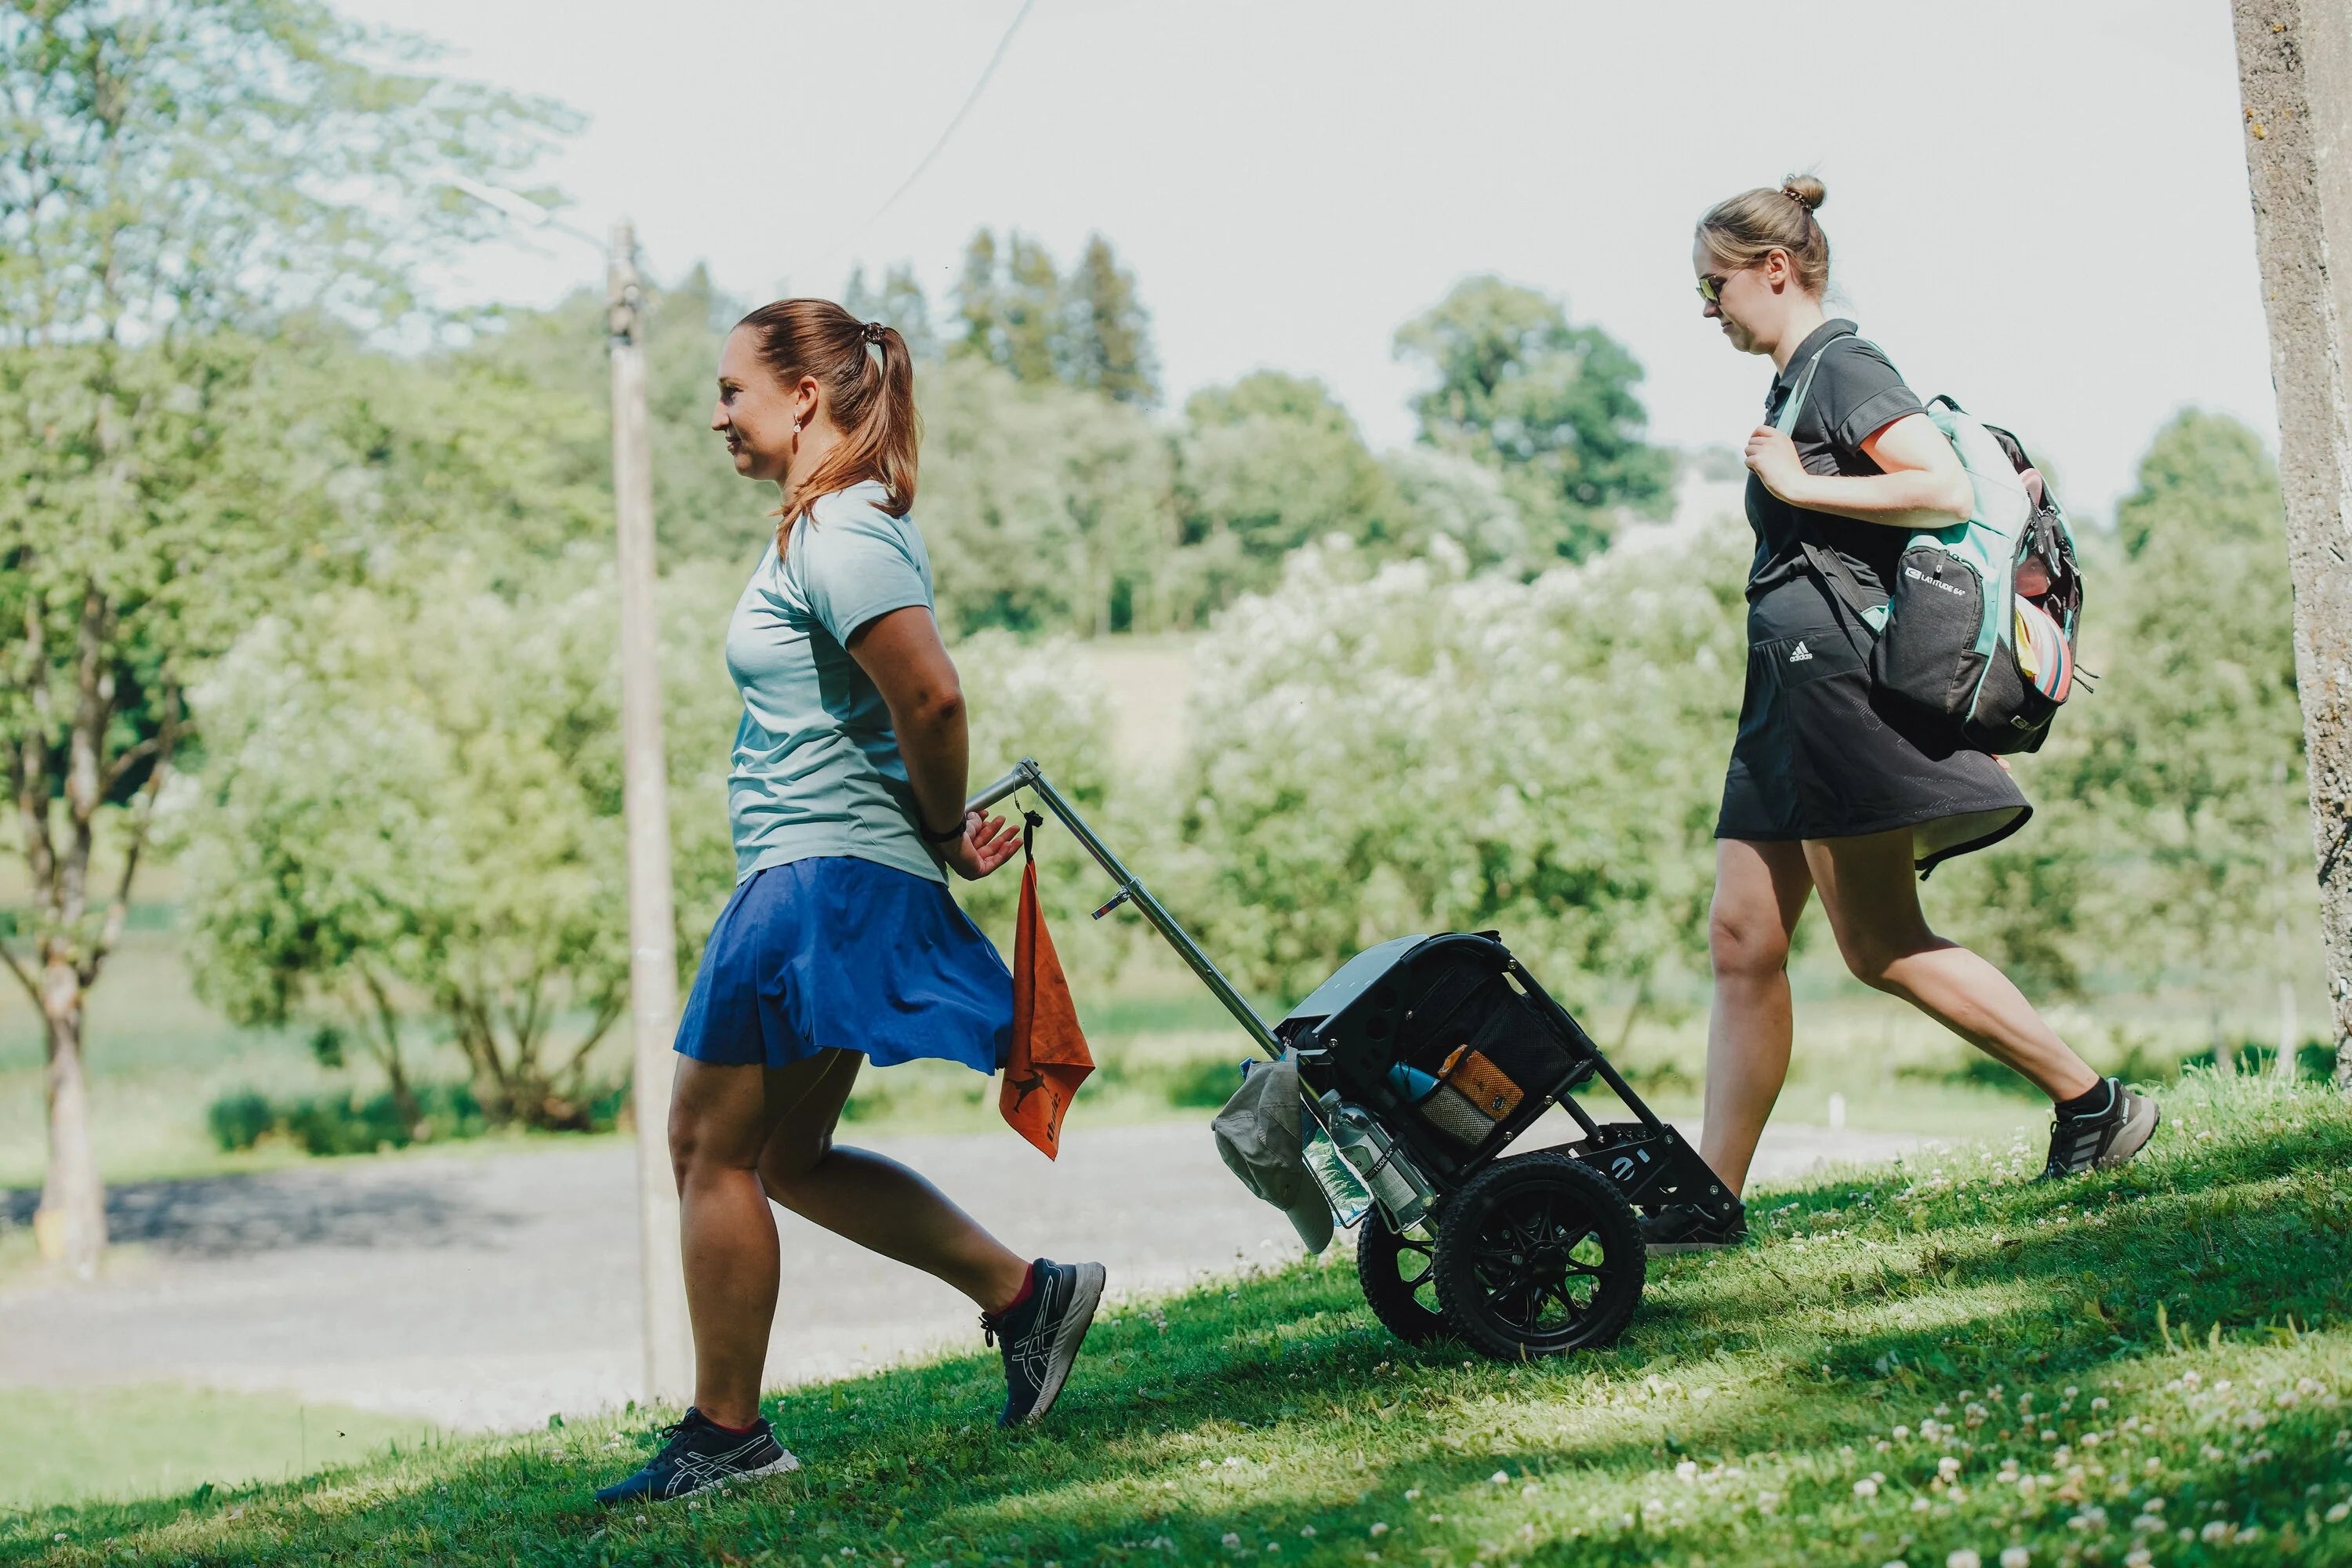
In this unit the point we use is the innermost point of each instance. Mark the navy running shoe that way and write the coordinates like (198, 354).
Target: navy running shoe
(698, 1455)
(1040, 1338)
(2098, 1138)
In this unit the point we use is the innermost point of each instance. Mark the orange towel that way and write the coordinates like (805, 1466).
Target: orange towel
(1049, 1057)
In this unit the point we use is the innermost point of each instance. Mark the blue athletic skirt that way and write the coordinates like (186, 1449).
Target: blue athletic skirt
(841, 953)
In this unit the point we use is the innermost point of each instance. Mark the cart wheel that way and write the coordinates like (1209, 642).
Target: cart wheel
(1396, 1274)
(1540, 1256)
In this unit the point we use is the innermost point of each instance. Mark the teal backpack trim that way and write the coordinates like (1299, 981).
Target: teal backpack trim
(1987, 541)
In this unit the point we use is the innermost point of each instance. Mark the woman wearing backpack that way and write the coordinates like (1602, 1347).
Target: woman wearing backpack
(841, 944)
(1831, 787)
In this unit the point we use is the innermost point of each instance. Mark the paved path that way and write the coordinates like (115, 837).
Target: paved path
(487, 1290)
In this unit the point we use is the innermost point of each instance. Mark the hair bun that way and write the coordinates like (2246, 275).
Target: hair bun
(1806, 191)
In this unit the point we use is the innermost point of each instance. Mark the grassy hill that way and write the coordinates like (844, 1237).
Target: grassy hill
(1912, 1364)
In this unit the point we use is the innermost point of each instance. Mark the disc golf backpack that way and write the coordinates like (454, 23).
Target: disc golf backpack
(1980, 623)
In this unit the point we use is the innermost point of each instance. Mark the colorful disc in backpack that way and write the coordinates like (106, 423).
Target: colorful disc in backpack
(2042, 651)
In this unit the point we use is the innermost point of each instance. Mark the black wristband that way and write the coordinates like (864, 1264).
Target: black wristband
(947, 836)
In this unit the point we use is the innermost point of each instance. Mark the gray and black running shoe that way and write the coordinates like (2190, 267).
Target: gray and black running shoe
(2098, 1138)
(1684, 1227)
(1040, 1338)
(700, 1454)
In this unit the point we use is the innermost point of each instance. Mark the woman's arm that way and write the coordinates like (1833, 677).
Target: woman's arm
(901, 653)
(1923, 485)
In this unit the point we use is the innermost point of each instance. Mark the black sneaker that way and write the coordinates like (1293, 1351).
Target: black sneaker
(1686, 1227)
(1040, 1338)
(699, 1455)
(2098, 1138)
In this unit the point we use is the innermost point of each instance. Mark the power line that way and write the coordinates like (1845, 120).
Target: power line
(971, 98)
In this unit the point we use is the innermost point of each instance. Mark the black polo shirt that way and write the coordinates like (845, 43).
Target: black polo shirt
(1855, 393)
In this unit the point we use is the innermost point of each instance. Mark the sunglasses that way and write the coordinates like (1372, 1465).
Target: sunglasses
(1710, 288)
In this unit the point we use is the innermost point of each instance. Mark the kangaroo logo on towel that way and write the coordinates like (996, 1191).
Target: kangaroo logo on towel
(1049, 1057)
(1799, 653)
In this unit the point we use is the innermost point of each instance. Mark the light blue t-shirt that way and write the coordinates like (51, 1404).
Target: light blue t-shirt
(817, 769)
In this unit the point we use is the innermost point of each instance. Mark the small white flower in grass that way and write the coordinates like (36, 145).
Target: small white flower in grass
(2216, 1529)
(2137, 1557)
(2016, 1557)
(1686, 1470)
(2339, 1513)
(1919, 1505)
(2100, 1403)
(1232, 1538)
(1900, 1434)
(1234, 1463)
(1413, 1494)
(1306, 1531)
(1865, 1487)
(1207, 1464)
(1766, 1501)
(1379, 1529)
(1530, 1489)
(1499, 1478)
(1962, 1558)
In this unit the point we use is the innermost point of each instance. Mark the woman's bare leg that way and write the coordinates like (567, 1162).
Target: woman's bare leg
(1872, 899)
(877, 1203)
(1760, 891)
(719, 1117)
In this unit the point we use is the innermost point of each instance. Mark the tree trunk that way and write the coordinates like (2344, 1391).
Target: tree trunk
(2295, 75)
(71, 1223)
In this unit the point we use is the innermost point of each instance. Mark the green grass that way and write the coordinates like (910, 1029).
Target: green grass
(2170, 1343)
(83, 1445)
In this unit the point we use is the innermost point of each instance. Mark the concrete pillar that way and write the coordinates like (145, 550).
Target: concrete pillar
(2294, 77)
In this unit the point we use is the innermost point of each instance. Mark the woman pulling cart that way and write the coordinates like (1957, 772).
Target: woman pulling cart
(841, 944)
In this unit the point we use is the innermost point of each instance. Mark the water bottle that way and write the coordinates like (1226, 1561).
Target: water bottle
(1402, 1191)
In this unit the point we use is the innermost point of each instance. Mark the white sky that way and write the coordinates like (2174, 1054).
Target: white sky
(2039, 207)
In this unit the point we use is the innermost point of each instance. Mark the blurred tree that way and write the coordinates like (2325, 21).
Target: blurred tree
(2171, 805)
(1110, 332)
(175, 171)
(1549, 406)
(702, 510)
(1031, 341)
(1447, 496)
(412, 806)
(976, 308)
(1088, 331)
(1044, 509)
(898, 302)
(1550, 758)
(1266, 465)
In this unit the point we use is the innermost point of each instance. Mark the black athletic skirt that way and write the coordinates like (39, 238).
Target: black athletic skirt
(1821, 754)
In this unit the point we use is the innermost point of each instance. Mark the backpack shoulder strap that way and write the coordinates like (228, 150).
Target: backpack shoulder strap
(1831, 568)
(1787, 422)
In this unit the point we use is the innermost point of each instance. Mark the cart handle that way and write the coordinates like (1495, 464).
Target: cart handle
(1026, 774)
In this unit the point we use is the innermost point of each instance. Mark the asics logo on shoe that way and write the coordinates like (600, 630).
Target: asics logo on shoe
(1799, 653)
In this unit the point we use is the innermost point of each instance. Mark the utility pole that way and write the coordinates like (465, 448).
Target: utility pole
(653, 943)
(2294, 77)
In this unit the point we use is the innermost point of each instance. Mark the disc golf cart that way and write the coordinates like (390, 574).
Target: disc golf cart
(1420, 1062)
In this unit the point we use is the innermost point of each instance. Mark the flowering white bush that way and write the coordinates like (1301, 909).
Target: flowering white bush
(1417, 749)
